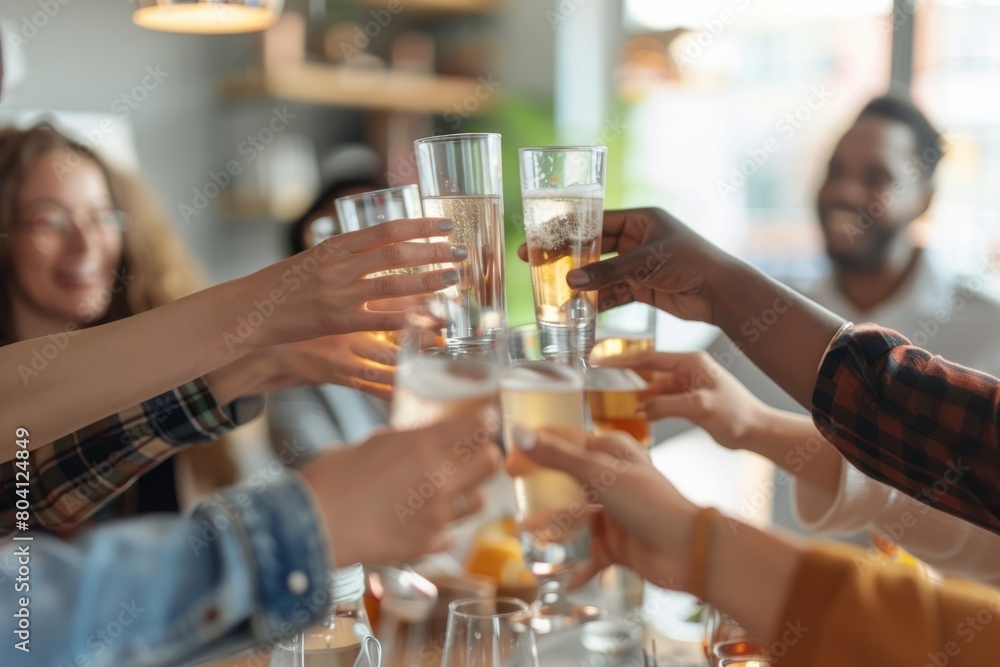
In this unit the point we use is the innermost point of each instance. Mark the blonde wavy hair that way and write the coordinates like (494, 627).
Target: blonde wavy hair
(160, 268)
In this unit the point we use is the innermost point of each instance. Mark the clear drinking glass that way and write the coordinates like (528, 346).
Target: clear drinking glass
(373, 208)
(460, 179)
(552, 512)
(562, 192)
(368, 209)
(627, 328)
(489, 633)
(435, 381)
(615, 396)
(727, 644)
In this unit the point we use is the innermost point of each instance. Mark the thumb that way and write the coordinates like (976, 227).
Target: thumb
(557, 449)
(605, 273)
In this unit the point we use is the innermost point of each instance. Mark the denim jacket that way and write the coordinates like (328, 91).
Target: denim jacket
(244, 568)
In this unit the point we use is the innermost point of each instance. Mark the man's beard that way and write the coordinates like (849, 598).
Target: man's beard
(873, 256)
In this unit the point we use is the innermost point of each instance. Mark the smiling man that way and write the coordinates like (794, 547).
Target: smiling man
(879, 180)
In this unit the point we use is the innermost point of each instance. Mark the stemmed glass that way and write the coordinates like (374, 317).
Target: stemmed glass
(552, 513)
(489, 633)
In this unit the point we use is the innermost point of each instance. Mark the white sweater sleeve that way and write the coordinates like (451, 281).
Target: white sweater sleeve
(946, 543)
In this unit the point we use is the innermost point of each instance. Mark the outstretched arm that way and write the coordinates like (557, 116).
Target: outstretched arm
(54, 386)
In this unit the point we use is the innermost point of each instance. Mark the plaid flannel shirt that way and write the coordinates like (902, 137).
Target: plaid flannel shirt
(72, 477)
(914, 421)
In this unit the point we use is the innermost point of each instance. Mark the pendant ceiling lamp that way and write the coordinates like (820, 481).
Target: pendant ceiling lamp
(206, 17)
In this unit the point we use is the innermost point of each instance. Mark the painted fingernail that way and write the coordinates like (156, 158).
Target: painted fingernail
(578, 278)
(450, 277)
(445, 225)
(459, 253)
(524, 438)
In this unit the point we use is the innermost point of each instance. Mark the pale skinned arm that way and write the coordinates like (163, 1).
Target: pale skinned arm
(321, 291)
(812, 606)
(695, 387)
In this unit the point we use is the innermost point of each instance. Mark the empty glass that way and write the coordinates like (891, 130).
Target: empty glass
(489, 633)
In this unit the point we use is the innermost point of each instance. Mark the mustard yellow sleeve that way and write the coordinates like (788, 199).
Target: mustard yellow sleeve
(846, 610)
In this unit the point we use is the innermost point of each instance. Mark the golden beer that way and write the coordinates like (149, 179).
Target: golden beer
(615, 396)
(613, 346)
(550, 504)
(433, 387)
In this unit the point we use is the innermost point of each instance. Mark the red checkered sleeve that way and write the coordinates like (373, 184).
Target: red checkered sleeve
(914, 421)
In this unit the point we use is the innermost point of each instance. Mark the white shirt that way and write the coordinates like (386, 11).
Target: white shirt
(942, 312)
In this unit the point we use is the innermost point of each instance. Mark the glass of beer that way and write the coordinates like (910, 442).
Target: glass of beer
(615, 396)
(434, 381)
(552, 511)
(562, 192)
(368, 209)
(627, 328)
(460, 179)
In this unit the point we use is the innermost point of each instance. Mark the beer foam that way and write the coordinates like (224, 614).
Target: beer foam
(556, 217)
(541, 376)
(446, 379)
(592, 191)
(614, 379)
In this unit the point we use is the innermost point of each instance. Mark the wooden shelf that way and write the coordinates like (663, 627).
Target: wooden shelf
(441, 6)
(341, 86)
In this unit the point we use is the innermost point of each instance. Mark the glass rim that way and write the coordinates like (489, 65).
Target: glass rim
(382, 191)
(454, 138)
(564, 149)
(522, 607)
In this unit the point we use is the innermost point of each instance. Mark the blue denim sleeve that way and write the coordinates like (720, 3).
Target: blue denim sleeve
(244, 568)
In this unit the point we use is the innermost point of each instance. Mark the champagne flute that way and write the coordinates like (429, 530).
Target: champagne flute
(489, 633)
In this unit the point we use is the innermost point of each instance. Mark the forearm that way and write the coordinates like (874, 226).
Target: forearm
(163, 590)
(793, 443)
(749, 574)
(106, 369)
(69, 479)
(781, 331)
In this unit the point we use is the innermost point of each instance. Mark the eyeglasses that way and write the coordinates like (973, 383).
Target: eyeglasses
(49, 228)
